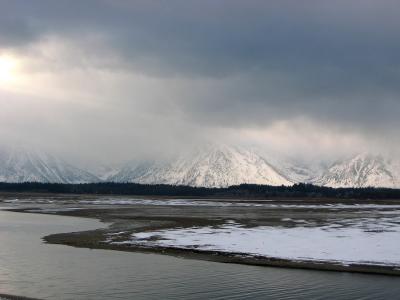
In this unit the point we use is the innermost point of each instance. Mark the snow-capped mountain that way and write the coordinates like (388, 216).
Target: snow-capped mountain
(19, 164)
(363, 170)
(211, 167)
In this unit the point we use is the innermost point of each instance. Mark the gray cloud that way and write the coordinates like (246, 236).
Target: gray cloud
(224, 64)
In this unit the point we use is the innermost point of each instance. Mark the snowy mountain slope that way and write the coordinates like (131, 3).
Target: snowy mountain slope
(363, 170)
(297, 170)
(19, 164)
(219, 166)
(100, 170)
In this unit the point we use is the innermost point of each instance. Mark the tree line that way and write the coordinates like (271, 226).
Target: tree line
(300, 190)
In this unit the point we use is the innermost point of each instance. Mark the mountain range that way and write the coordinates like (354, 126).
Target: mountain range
(209, 166)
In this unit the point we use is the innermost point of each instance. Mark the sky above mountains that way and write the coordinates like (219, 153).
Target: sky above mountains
(129, 79)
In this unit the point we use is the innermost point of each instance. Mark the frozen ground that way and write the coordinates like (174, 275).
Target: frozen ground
(372, 241)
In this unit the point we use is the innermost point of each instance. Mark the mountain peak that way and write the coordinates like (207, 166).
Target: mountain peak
(361, 170)
(210, 166)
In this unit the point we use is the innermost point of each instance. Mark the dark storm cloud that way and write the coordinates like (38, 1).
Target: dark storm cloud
(246, 63)
(222, 37)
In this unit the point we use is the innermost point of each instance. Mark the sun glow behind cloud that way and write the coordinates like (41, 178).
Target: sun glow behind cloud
(8, 69)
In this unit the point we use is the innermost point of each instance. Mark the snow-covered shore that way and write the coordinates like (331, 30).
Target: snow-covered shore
(369, 241)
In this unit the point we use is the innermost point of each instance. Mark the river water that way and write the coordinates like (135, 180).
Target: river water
(28, 267)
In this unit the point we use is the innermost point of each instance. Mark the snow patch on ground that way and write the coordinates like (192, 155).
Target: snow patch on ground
(367, 240)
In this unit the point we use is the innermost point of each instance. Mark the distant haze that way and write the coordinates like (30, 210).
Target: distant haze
(112, 80)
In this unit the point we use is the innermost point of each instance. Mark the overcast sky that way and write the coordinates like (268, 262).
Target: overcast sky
(116, 80)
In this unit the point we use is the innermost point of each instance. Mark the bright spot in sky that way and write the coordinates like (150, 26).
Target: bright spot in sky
(8, 67)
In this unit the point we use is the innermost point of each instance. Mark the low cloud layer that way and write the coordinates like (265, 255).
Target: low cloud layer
(129, 79)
